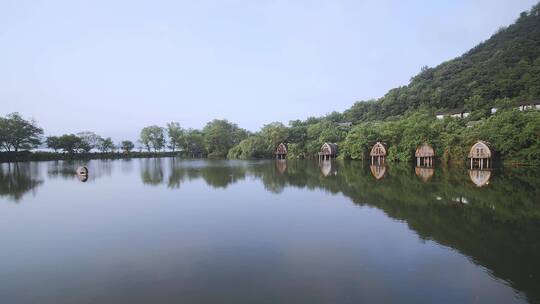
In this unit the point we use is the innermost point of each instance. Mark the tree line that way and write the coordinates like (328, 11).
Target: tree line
(514, 135)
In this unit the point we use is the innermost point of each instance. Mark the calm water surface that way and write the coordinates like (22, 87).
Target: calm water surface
(196, 231)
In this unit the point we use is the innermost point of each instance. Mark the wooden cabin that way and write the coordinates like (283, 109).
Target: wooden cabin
(424, 155)
(480, 177)
(378, 153)
(425, 173)
(281, 151)
(378, 171)
(328, 151)
(480, 155)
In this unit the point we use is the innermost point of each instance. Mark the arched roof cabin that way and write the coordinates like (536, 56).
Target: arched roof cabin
(480, 150)
(281, 151)
(425, 150)
(328, 150)
(378, 150)
(424, 155)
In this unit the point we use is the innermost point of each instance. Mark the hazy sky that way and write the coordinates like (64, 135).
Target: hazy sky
(114, 67)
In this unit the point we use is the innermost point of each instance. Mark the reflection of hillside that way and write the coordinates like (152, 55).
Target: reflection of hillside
(497, 225)
(497, 230)
(16, 179)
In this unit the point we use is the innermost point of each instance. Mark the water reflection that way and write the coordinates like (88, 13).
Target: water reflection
(480, 177)
(425, 173)
(328, 167)
(151, 170)
(493, 221)
(16, 179)
(378, 171)
(486, 224)
(281, 166)
(66, 169)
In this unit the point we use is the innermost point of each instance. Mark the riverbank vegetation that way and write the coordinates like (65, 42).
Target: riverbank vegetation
(498, 73)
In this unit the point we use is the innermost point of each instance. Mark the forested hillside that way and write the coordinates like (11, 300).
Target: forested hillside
(507, 65)
(498, 72)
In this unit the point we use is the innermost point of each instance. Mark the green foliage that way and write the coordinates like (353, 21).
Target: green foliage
(69, 143)
(89, 141)
(220, 136)
(17, 134)
(176, 136)
(505, 66)
(152, 137)
(105, 145)
(514, 134)
(53, 142)
(127, 145)
(194, 143)
(251, 147)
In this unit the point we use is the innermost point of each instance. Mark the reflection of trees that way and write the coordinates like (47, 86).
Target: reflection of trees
(16, 179)
(66, 168)
(151, 171)
(497, 225)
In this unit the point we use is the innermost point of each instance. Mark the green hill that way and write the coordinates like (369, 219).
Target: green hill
(507, 65)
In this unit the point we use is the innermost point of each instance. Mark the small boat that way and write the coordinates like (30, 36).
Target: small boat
(82, 171)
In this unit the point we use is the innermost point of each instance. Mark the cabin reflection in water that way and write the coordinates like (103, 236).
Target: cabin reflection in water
(327, 168)
(378, 171)
(480, 177)
(281, 166)
(424, 173)
(82, 178)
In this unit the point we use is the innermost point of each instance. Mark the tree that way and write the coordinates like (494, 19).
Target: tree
(127, 146)
(105, 145)
(220, 136)
(19, 134)
(69, 143)
(194, 143)
(152, 137)
(176, 134)
(53, 142)
(90, 140)
(274, 134)
(3, 134)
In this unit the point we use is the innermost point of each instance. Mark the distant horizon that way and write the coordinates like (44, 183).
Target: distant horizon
(115, 68)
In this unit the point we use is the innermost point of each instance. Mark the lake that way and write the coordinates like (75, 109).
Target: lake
(169, 230)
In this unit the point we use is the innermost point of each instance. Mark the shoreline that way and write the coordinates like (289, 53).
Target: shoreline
(27, 156)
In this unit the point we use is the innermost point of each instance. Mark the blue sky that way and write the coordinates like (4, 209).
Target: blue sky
(114, 67)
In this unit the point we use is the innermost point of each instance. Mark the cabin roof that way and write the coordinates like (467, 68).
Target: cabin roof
(333, 147)
(281, 148)
(480, 144)
(378, 144)
(424, 150)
